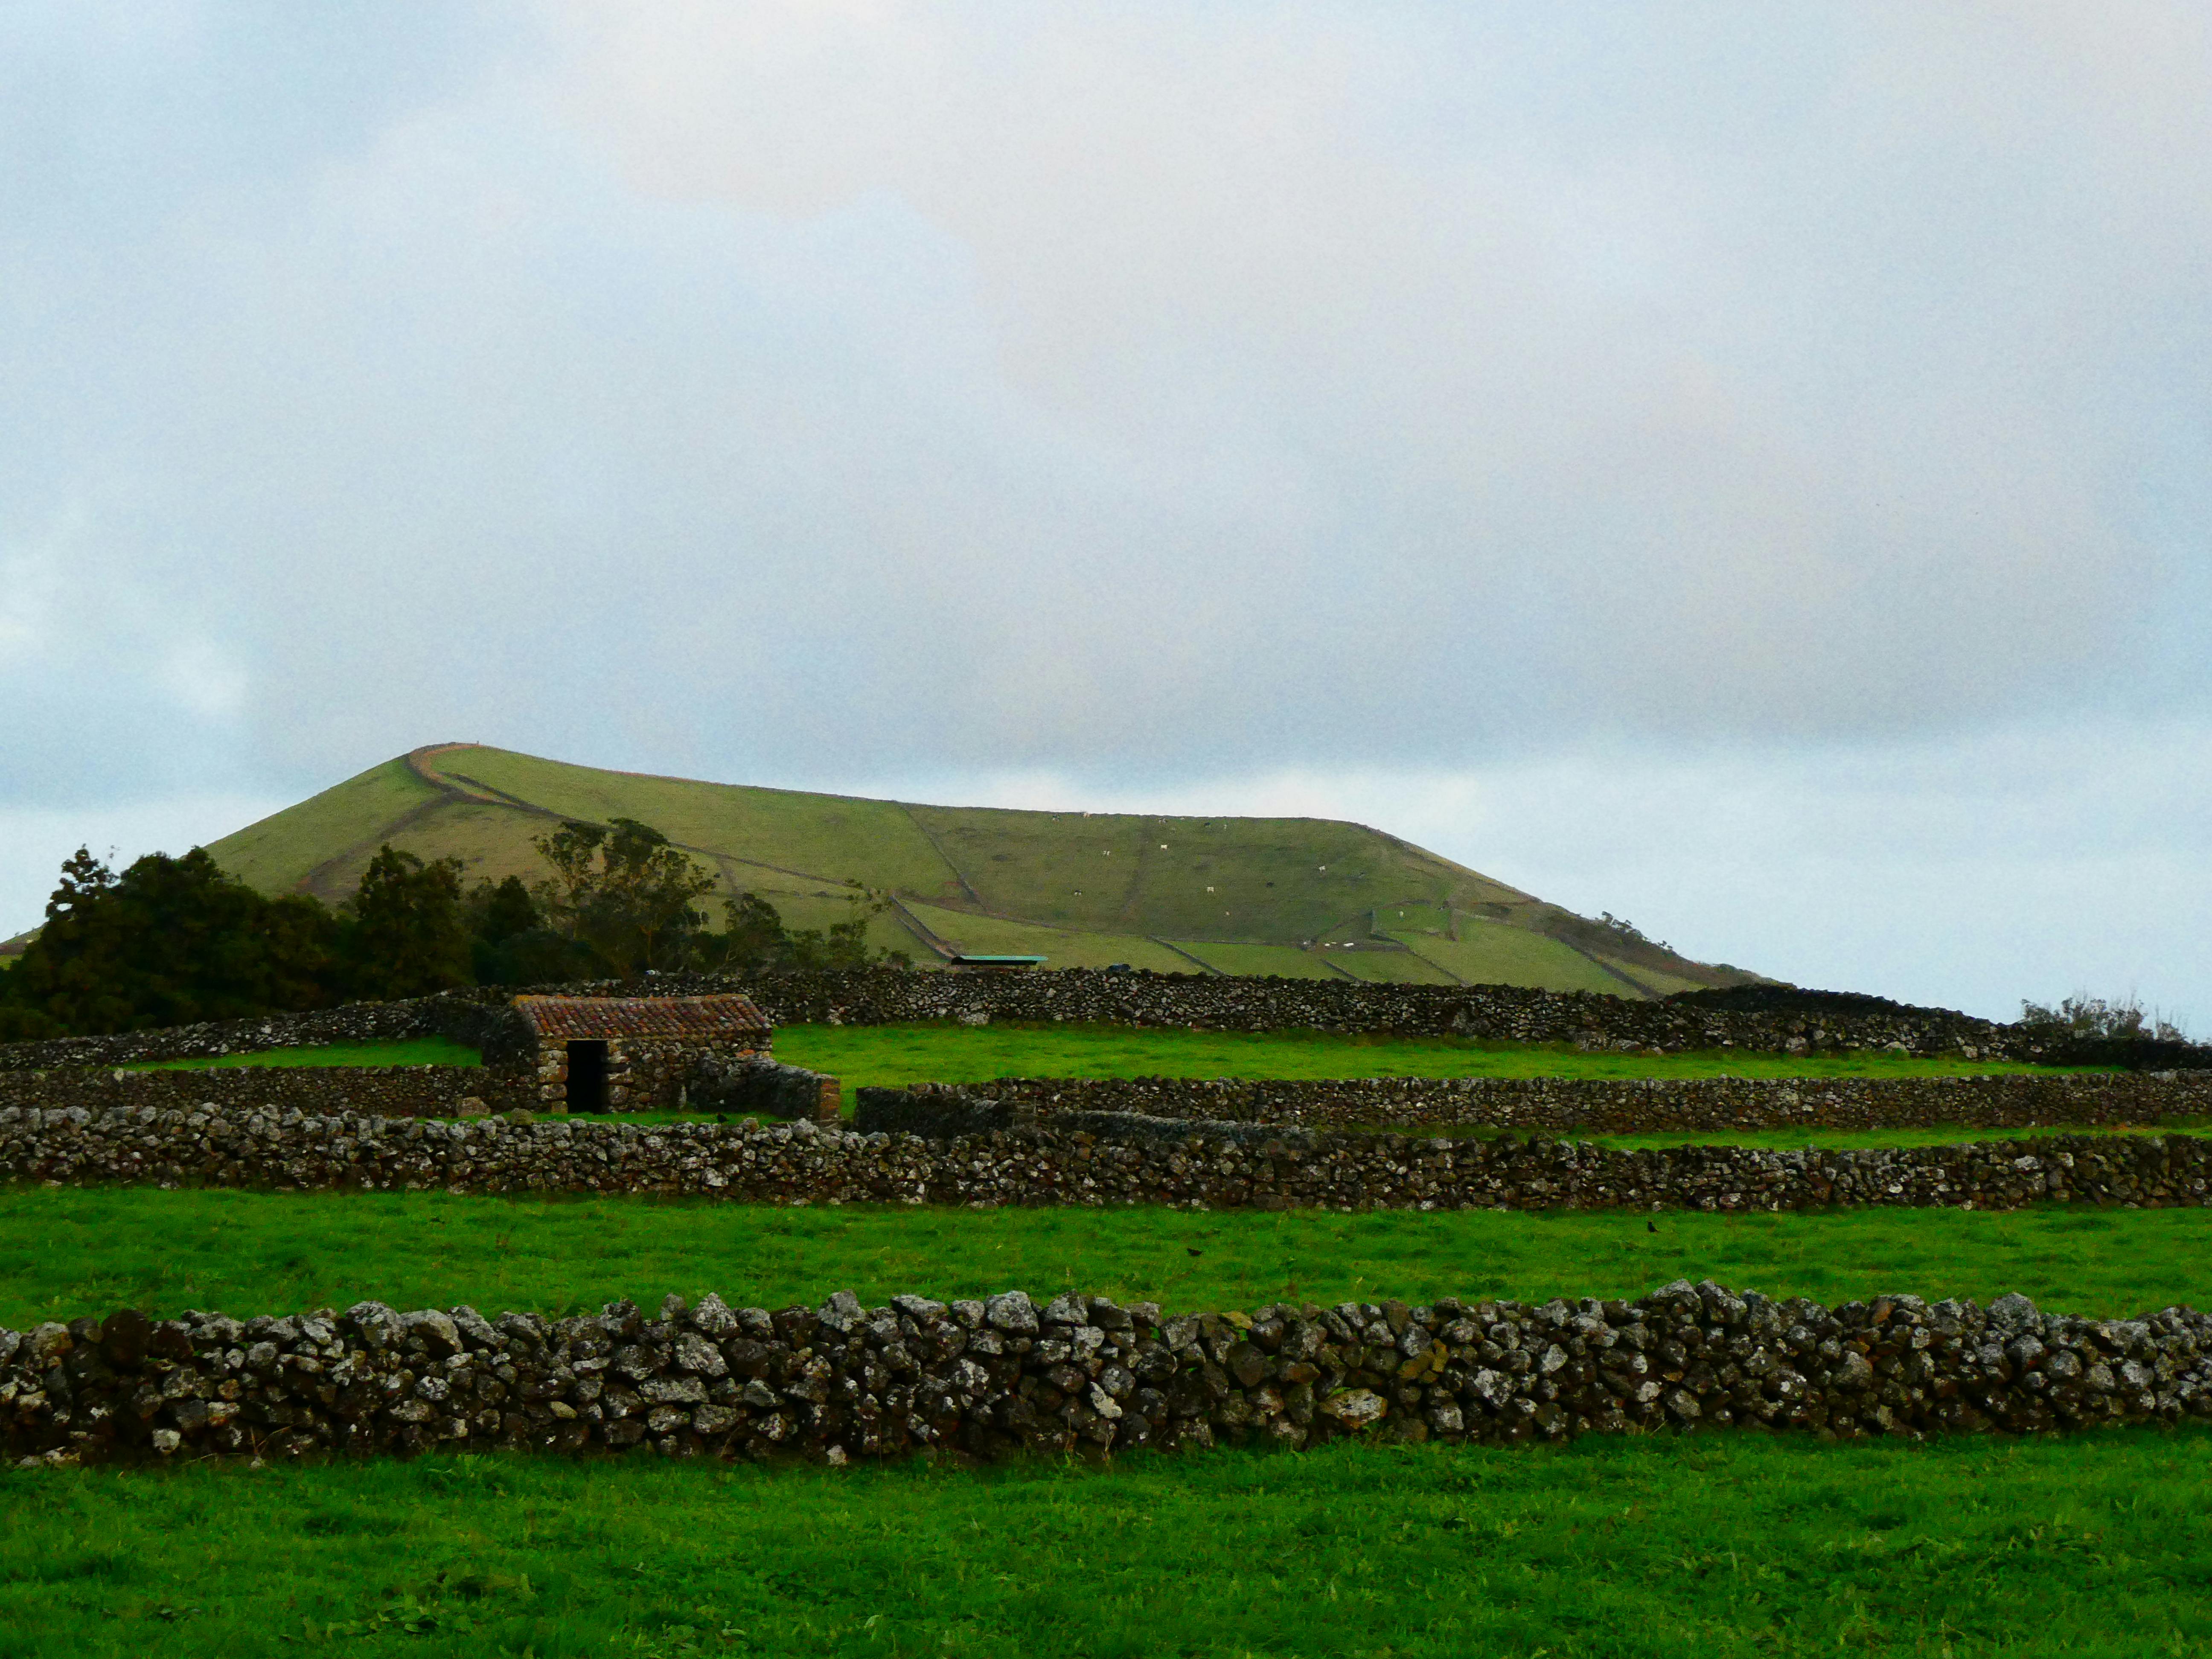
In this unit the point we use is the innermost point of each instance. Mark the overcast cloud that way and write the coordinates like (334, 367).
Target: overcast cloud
(1742, 467)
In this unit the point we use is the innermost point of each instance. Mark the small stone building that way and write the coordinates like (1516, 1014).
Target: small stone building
(635, 1053)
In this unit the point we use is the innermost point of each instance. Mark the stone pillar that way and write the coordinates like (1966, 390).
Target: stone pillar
(830, 1102)
(553, 1073)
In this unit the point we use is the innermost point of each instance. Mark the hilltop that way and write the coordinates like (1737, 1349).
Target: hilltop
(1303, 896)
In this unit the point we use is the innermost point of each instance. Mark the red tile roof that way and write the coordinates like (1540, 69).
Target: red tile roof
(713, 1017)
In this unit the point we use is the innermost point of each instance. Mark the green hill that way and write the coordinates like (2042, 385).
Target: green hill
(1303, 896)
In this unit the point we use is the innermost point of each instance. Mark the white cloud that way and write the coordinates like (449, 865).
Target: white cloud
(1151, 396)
(204, 680)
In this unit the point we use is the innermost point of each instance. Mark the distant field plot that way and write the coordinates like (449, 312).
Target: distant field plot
(404, 1051)
(1392, 967)
(948, 1053)
(2096, 1545)
(1257, 878)
(67, 1251)
(1491, 953)
(995, 936)
(1280, 961)
(1663, 983)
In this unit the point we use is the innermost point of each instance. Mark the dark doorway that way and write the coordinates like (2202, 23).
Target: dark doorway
(587, 1077)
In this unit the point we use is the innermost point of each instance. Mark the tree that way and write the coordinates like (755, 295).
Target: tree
(622, 890)
(752, 939)
(2082, 1016)
(499, 912)
(405, 935)
(511, 945)
(171, 941)
(18, 1023)
(845, 945)
(755, 940)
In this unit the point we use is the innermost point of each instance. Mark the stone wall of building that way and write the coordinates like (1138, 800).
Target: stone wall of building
(1078, 1159)
(1013, 1373)
(1579, 1105)
(654, 1073)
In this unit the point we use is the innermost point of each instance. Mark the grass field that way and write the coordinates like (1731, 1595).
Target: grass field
(1491, 953)
(1396, 968)
(67, 1251)
(977, 935)
(2096, 1546)
(1266, 961)
(1720, 1545)
(889, 1055)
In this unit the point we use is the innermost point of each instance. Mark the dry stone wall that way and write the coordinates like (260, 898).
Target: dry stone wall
(393, 1091)
(1496, 1013)
(1583, 1105)
(982, 1378)
(356, 1022)
(1079, 1159)
(738, 1084)
(480, 1016)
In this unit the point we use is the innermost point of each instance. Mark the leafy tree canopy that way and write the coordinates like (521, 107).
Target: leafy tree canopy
(2122, 1019)
(620, 889)
(755, 940)
(405, 933)
(171, 941)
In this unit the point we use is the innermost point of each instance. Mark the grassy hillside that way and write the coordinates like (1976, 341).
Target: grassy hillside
(1306, 898)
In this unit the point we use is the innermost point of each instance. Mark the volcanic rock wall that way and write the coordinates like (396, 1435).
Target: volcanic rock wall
(1584, 1105)
(1497, 1013)
(982, 1378)
(356, 1022)
(384, 1091)
(735, 1084)
(1081, 1158)
(480, 1016)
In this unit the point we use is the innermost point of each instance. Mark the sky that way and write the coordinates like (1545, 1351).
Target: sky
(1740, 467)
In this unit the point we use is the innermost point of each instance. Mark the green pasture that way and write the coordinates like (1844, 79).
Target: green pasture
(947, 1052)
(2100, 1546)
(1495, 953)
(70, 1251)
(1738, 1544)
(1061, 947)
(1400, 968)
(1263, 961)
